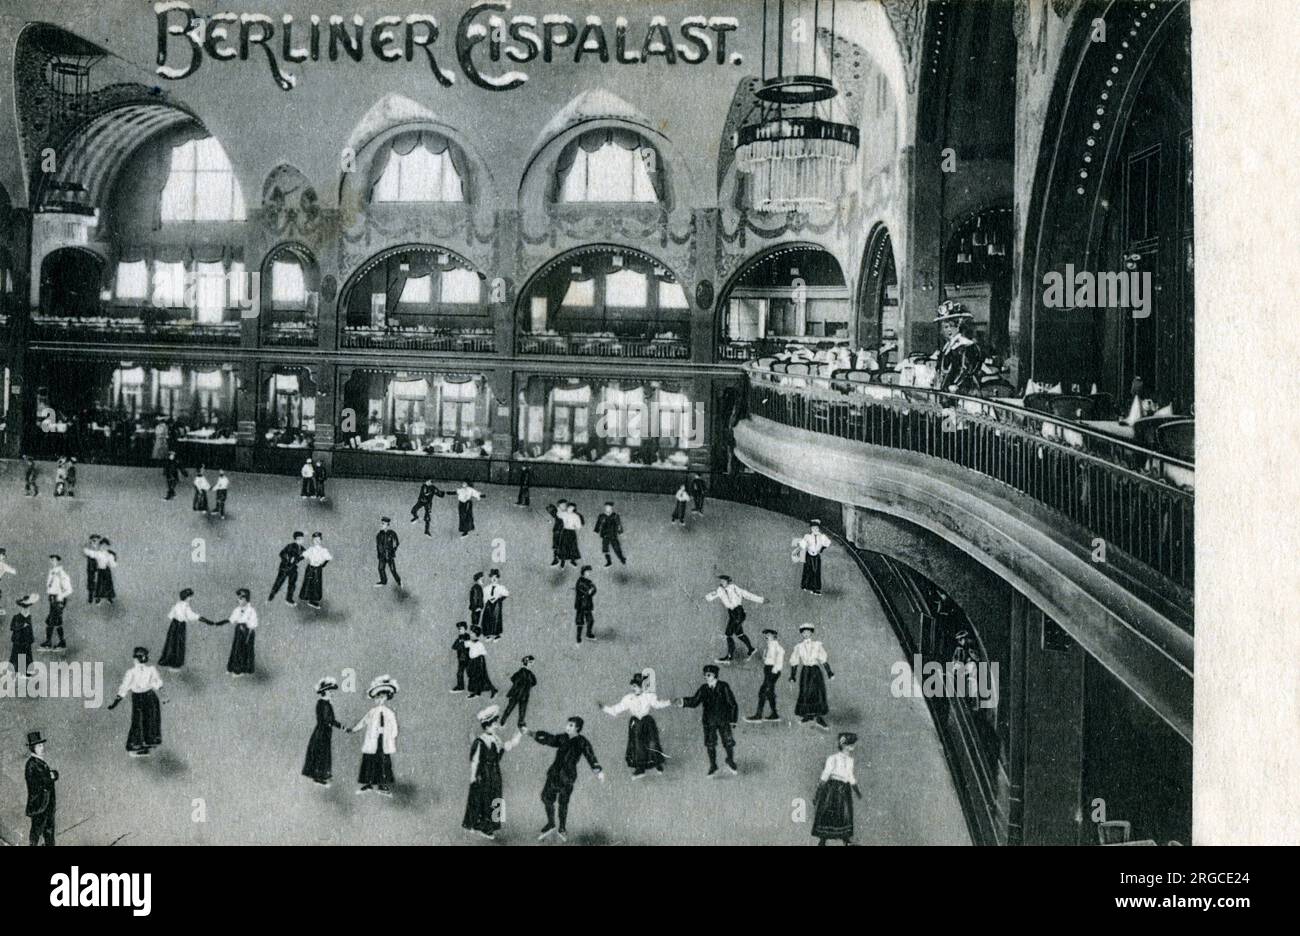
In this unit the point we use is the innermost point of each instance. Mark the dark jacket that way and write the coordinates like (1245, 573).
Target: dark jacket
(461, 646)
(521, 683)
(568, 752)
(386, 543)
(583, 592)
(475, 598)
(173, 471)
(428, 491)
(290, 556)
(718, 703)
(608, 526)
(40, 787)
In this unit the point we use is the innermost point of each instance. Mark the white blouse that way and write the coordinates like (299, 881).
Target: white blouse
(495, 592)
(638, 705)
(201, 483)
(477, 649)
(808, 653)
(571, 520)
(104, 559)
(682, 495)
(467, 493)
(140, 678)
(839, 766)
(814, 543)
(316, 555)
(181, 611)
(246, 615)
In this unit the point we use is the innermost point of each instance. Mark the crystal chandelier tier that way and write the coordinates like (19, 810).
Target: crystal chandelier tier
(792, 152)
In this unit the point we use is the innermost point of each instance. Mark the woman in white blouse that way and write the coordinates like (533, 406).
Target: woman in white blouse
(808, 661)
(681, 499)
(313, 582)
(644, 749)
(142, 682)
(833, 810)
(243, 658)
(105, 562)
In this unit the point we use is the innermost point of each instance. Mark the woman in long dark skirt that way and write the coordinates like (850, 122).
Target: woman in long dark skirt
(105, 563)
(142, 682)
(380, 743)
(22, 636)
(313, 582)
(181, 615)
(571, 521)
(833, 805)
(476, 674)
(484, 806)
(243, 649)
(807, 662)
(644, 749)
(319, 765)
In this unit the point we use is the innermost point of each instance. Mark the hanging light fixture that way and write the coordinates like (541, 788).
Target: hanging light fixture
(794, 154)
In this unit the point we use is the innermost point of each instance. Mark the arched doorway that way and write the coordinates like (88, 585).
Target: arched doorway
(71, 282)
(788, 294)
(880, 319)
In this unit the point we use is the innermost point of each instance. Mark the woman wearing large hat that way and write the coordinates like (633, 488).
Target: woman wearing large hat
(960, 358)
(644, 749)
(484, 812)
(243, 648)
(319, 765)
(142, 682)
(380, 742)
(21, 635)
(833, 810)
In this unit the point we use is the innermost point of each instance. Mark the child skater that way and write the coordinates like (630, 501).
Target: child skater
(833, 810)
(484, 806)
(319, 765)
(644, 749)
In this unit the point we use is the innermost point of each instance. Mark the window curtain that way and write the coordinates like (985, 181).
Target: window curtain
(590, 143)
(404, 144)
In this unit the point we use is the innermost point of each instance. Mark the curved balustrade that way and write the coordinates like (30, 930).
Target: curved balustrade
(1131, 498)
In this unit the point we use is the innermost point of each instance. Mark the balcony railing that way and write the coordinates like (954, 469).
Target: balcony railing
(290, 335)
(1135, 500)
(108, 329)
(478, 340)
(605, 346)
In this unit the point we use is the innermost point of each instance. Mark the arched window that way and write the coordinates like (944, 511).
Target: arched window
(609, 166)
(417, 167)
(201, 185)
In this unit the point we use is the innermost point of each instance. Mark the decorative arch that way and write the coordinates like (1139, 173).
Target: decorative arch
(71, 281)
(877, 312)
(290, 311)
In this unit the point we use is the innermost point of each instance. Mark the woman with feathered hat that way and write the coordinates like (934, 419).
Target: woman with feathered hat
(485, 807)
(644, 749)
(960, 358)
(380, 742)
(319, 765)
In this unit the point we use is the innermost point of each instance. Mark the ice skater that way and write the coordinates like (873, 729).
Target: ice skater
(733, 597)
(424, 501)
(22, 636)
(380, 742)
(644, 749)
(319, 477)
(58, 589)
(697, 490)
(476, 666)
(584, 604)
(221, 489)
(572, 522)
(243, 646)
(41, 799)
(172, 474)
(466, 494)
(287, 572)
(833, 804)
(525, 486)
(92, 566)
(609, 527)
(386, 543)
(201, 487)
(720, 713)
(319, 763)
(313, 581)
(460, 647)
(557, 531)
(105, 562)
(476, 600)
(485, 805)
(30, 474)
(810, 547)
(680, 502)
(142, 682)
(773, 664)
(562, 775)
(308, 474)
(72, 477)
(807, 663)
(521, 688)
(180, 617)
(494, 600)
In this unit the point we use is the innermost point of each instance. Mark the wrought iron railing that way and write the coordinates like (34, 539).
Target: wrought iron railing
(450, 339)
(604, 346)
(105, 329)
(1131, 499)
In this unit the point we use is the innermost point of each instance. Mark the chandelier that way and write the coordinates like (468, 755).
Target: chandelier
(793, 153)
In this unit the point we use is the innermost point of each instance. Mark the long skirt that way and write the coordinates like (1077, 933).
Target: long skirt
(376, 769)
(313, 584)
(466, 511)
(477, 675)
(21, 652)
(569, 546)
(644, 748)
(319, 764)
(483, 805)
(812, 693)
(146, 722)
(173, 651)
(812, 573)
(201, 500)
(243, 656)
(493, 620)
(833, 811)
(679, 512)
(104, 589)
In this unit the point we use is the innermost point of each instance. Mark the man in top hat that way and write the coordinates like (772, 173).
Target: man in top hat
(732, 597)
(41, 778)
(609, 527)
(960, 357)
(58, 589)
(562, 775)
(21, 635)
(720, 714)
(811, 546)
(386, 544)
(773, 664)
(521, 687)
(424, 501)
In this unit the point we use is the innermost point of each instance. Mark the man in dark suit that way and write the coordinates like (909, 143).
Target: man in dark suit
(609, 526)
(290, 556)
(697, 489)
(40, 791)
(525, 486)
(521, 687)
(460, 646)
(718, 705)
(476, 600)
(424, 501)
(584, 591)
(561, 776)
(386, 544)
(172, 472)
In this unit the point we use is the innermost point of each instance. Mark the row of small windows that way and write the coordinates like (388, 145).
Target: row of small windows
(603, 166)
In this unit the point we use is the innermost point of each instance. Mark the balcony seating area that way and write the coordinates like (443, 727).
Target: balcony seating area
(477, 340)
(133, 330)
(605, 344)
